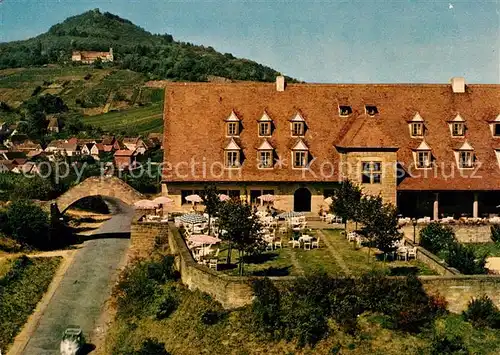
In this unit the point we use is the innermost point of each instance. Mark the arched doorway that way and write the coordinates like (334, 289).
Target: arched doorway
(302, 200)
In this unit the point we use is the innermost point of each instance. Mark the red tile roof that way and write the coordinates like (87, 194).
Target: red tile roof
(195, 128)
(124, 153)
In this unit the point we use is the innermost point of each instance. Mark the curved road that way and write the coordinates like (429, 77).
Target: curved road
(87, 284)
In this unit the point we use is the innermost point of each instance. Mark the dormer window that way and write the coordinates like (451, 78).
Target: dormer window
(495, 127)
(457, 126)
(265, 125)
(465, 156)
(417, 129)
(416, 125)
(232, 156)
(298, 126)
(422, 156)
(300, 155)
(344, 110)
(265, 155)
(232, 125)
(371, 110)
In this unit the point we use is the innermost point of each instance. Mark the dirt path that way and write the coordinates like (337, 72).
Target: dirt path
(333, 252)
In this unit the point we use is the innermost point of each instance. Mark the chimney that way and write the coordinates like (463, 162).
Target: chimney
(458, 84)
(280, 83)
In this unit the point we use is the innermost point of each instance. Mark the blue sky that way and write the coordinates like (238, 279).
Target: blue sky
(315, 41)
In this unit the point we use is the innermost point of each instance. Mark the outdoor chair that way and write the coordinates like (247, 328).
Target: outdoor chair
(283, 230)
(402, 254)
(177, 222)
(315, 243)
(269, 246)
(213, 262)
(307, 245)
(277, 244)
(295, 243)
(412, 253)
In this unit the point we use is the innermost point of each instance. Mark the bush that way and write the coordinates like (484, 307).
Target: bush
(443, 345)
(495, 233)
(266, 308)
(436, 237)
(168, 304)
(28, 224)
(464, 259)
(212, 317)
(482, 312)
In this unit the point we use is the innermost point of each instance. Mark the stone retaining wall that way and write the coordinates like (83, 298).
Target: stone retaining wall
(464, 233)
(433, 262)
(143, 236)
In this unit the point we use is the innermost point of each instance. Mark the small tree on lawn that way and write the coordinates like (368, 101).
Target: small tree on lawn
(346, 202)
(380, 223)
(212, 202)
(242, 228)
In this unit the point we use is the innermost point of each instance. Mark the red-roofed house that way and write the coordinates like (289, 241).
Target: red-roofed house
(431, 148)
(124, 159)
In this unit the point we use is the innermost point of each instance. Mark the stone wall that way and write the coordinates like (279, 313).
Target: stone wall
(464, 233)
(459, 289)
(143, 236)
(434, 262)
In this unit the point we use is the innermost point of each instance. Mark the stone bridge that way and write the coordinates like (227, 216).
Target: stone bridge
(103, 186)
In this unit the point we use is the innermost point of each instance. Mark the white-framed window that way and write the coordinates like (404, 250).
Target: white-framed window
(423, 159)
(465, 159)
(265, 159)
(297, 129)
(457, 129)
(299, 159)
(417, 129)
(233, 129)
(371, 172)
(264, 129)
(232, 159)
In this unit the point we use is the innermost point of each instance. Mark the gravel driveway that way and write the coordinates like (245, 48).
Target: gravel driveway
(86, 285)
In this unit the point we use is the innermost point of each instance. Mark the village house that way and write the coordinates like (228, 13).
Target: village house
(12, 155)
(28, 168)
(124, 159)
(432, 149)
(63, 148)
(110, 144)
(136, 144)
(54, 125)
(6, 166)
(156, 139)
(92, 149)
(89, 57)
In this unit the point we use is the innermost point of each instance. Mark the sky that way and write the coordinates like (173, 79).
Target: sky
(367, 41)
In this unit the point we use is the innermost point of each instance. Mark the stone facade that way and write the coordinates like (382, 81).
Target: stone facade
(143, 236)
(103, 186)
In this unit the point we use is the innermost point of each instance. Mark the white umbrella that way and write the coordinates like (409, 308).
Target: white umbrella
(328, 200)
(163, 200)
(267, 198)
(224, 197)
(192, 218)
(194, 198)
(290, 214)
(145, 204)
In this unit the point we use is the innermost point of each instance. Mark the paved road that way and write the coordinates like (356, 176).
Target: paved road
(86, 286)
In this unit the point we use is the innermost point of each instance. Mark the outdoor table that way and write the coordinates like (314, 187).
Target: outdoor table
(305, 238)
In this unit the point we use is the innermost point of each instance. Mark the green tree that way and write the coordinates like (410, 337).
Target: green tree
(28, 224)
(347, 201)
(380, 223)
(242, 229)
(211, 200)
(437, 237)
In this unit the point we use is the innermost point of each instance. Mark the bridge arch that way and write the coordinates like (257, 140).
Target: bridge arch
(103, 186)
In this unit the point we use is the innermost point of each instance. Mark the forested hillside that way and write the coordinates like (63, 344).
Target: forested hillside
(157, 55)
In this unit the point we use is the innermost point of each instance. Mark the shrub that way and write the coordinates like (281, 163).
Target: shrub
(482, 312)
(444, 345)
(27, 223)
(495, 233)
(436, 237)
(266, 307)
(168, 304)
(212, 317)
(464, 259)
(150, 347)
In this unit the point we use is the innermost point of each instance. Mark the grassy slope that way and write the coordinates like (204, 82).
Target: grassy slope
(184, 333)
(19, 298)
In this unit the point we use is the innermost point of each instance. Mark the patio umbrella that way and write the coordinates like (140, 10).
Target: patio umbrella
(328, 200)
(194, 198)
(202, 239)
(224, 197)
(290, 214)
(163, 200)
(267, 198)
(192, 218)
(145, 205)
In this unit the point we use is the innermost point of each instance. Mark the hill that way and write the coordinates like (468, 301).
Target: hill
(158, 56)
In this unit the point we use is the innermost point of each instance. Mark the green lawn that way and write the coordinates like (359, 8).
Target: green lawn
(360, 261)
